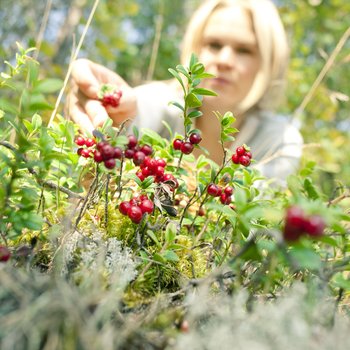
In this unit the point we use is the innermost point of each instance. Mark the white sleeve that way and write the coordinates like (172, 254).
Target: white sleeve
(286, 159)
(153, 107)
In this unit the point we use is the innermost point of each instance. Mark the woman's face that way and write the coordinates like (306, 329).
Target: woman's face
(230, 52)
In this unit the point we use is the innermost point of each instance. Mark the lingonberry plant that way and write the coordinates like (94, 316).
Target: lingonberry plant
(181, 220)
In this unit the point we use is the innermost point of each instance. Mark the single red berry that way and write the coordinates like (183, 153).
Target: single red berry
(124, 207)
(110, 163)
(235, 158)
(80, 141)
(213, 190)
(129, 153)
(140, 175)
(248, 154)
(195, 138)
(147, 150)
(187, 148)
(135, 214)
(314, 226)
(118, 153)
(228, 190)
(101, 144)
(85, 153)
(177, 143)
(132, 141)
(79, 150)
(294, 224)
(98, 156)
(90, 142)
(4, 253)
(225, 199)
(201, 211)
(159, 171)
(145, 172)
(107, 151)
(244, 160)
(147, 206)
(138, 157)
(161, 162)
(240, 151)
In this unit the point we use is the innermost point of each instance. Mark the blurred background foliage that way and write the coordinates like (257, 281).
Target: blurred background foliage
(141, 40)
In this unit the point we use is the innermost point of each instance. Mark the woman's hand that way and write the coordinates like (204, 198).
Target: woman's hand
(83, 105)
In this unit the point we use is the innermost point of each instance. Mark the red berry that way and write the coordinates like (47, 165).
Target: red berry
(244, 160)
(132, 141)
(111, 98)
(187, 148)
(110, 163)
(118, 153)
(294, 223)
(161, 162)
(213, 190)
(248, 154)
(177, 143)
(79, 151)
(135, 214)
(228, 190)
(159, 171)
(195, 138)
(100, 145)
(201, 211)
(138, 157)
(124, 207)
(90, 142)
(140, 175)
(314, 225)
(107, 151)
(147, 150)
(147, 206)
(98, 156)
(240, 151)
(235, 158)
(4, 253)
(129, 153)
(80, 141)
(225, 199)
(85, 153)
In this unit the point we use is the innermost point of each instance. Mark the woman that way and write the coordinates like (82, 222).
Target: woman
(241, 42)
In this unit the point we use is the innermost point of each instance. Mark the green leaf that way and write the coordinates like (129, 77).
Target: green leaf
(204, 92)
(170, 232)
(178, 105)
(7, 106)
(194, 114)
(48, 86)
(170, 255)
(310, 189)
(153, 237)
(306, 258)
(177, 77)
(193, 101)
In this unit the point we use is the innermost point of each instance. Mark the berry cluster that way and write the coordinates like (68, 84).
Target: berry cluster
(4, 253)
(109, 95)
(225, 194)
(187, 147)
(298, 224)
(242, 156)
(136, 152)
(104, 152)
(136, 207)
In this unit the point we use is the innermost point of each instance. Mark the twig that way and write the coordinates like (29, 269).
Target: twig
(54, 112)
(323, 73)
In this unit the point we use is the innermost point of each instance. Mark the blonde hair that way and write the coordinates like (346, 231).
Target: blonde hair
(272, 44)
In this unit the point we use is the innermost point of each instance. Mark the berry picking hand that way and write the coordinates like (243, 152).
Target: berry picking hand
(83, 103)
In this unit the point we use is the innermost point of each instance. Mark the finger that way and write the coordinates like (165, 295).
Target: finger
(84, 76)
(78, 115)
(97, 113)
